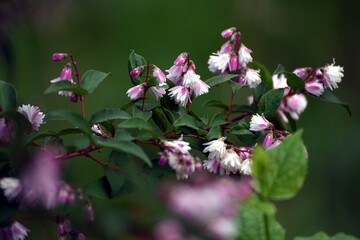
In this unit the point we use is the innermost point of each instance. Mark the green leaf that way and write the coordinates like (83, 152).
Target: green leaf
(217, 120)
(91, 80)
(215, 132)
(324, 236)
(20, 119)
(186, 120)
(135, 61)
(280, 68)
(264, 73)
(215, 103)
(270, 102)
(123, 135)
(74, 118)
(65, 85)
(127, 105)
(259, 91)
(116, 180)
(294, 81)
(220, 79)
(119, 158)
(235, 86)
(137, 112)
(169, 104)
(138, 123)
(243, 108)
(108, 114)
(99, 188)
(123, 146)
(147, 107)
(280, 172)
(81, 142)
(7, 96)
(159, 119)
(69, 131)
(331, 98)
(252, 222)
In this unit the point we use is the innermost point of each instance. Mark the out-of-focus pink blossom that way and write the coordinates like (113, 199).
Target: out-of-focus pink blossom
(295, 105)
(314, 87)
(11, 187)
(16, 231)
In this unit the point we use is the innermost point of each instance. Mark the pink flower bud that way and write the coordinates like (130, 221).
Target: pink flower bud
(268, 140)
(233, 63)
(58, 57)
(159, 75)
(61, 228)
(89, 212)
(228, 32)
(136, 72)
(180, 59)
(74, 98)
(135, 92)
(66, 73)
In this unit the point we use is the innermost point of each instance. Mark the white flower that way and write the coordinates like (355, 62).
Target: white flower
(333, 75)
(212, 165)
(175, 73)
(252, 78)
(219, 62)
(244, 56)
(279, 81)
(246, 167)
(190, 78)
(157, 92)
(295, 105)
(178, 146)
(11, 187)
(95, 128)
(217, 148)
(135, 92)
(231, 161)
(180, 94)
(33, 114)
(200, 88)
(259, 123)
(314, 87)
(227, 47)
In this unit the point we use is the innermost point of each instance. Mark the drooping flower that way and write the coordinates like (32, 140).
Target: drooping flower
(64, 227)
(89, 212)
(200, 88)
(11, 187)
(259, 123)
(295, 105)
(157, 92)
(175, 73)
(333, 75)
(184, 164)
(227, 47)
(246, 167)
(279, 81)
(33, 114)
(252, 78)
(16, 231)
(177, 146)
(190, 78)
(212, 165)
(216, 148)
(136, 71)
(180, 94)
(244, 56)
(268, 140)
(233, 63)
(160, 76)
(58, 57)
(302, 73)
(228, 32)
(181, 59)
(314, 87)
(96, 129)
(219, 62)
(7, 130)
(135, 93)
(231, 161)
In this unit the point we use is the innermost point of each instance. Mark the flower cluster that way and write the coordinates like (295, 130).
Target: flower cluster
(177, 155)
(187, 82)
(156, 91)
(234, 57)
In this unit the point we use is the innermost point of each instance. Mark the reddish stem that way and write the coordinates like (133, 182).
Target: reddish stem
(79, 84)
(241, 116)
(169, 132)
(193, 136)
(230, 104)
(147, 78)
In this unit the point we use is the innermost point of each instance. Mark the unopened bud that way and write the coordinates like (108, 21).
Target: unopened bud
(233, 63)
(66, 73)
(136, 72)
(58, 57)
(74, 98)
(181, 59)
(228, 32)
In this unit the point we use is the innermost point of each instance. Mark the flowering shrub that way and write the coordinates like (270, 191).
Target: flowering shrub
(245, 156)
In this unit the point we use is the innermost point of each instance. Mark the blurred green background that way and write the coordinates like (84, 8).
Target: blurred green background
(100, 35)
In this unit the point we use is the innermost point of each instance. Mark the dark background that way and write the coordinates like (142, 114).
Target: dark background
(100, 35)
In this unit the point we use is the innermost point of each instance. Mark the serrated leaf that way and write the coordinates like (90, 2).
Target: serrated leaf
(251, 222)
(138, 123)
(220, 79)
(123, 146)
(280, 172)
(74, 118)
(135, 61)
(127, 105)
(91, 80)
(108, 114)
(69, 131)
(331, 98)
(259, 91)
(264, 73)
(123, 135)
(65, 85)
(186, 120)
(324, 236)
(116, 180)
(8, 99)
(215, 103)
(147, 107)
(270, 102)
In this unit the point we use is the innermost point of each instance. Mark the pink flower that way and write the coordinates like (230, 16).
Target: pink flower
(58, 57)
(227, 47)
(175, 73)
(66, 73)
(7, 130)
(180, 59)
(89, 212)
(233, 63)
(259, 123)
(136, 71)
(268, 140)
(190, 78)
(231, 161)
(219, 62)
(11, 187)
(228, 32)
(157, 92)
(33, 114)
(16, 231)
(180, 94)
(160, 76)
(200, 88)
(135, 92)
(314, 87)
(244, 56)
(302, 73)
(295, 105)
(252, 78)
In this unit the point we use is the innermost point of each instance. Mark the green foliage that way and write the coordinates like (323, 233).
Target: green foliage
(108, 114)
(331, 98)
(116, 180)
(215, 103)
(8, 99)
(270, 102)
(264, 73)
(91, 80)
(135, 61)
(280, 172)
(186, 120)
(65, 85)
(259, 91)
(220, 79)
(294, 81)
(324, 236)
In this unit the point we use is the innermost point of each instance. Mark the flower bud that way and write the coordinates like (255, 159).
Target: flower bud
(228, 32)
(74, 98)
(268, 140)
(66, 73)
(58, 57)
(233, 63)
(180, 59)
(61, 228)
(136, 72)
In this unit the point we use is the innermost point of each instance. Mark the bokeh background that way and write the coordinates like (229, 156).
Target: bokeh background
(100, 35)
